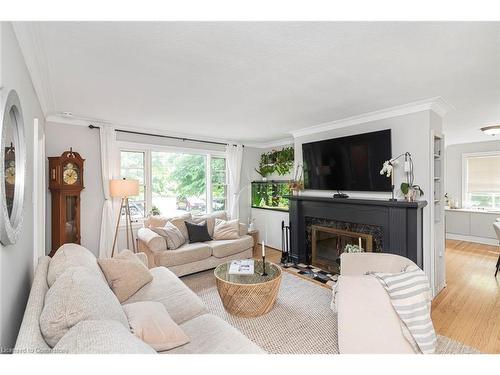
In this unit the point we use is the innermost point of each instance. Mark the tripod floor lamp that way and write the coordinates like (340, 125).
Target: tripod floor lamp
(124, 189)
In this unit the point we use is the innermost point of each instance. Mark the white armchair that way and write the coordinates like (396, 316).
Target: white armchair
(367, 322)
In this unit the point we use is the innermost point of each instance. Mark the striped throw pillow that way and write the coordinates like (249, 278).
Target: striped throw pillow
(411, 297)
(171, 234)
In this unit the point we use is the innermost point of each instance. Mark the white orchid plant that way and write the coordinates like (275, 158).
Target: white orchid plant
(387, 168)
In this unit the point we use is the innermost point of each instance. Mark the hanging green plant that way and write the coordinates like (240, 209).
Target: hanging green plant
(279, 161)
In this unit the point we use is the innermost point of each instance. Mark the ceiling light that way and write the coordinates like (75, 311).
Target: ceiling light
(491, 130)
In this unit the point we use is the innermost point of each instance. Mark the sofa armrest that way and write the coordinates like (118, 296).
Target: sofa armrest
(243, 229)
(356, 264)
(152, 240)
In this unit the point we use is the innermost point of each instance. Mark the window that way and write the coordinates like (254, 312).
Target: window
(219, 184)
(179, 182)
(132, 166)
(175, 182)
(482, 180)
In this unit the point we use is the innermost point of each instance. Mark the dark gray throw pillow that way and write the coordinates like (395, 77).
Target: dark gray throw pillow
(198, 232)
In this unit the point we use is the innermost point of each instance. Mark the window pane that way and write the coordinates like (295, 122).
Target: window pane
(132, 167)
(219, 187)
(481, 200)
(179, 182)
(483, 174)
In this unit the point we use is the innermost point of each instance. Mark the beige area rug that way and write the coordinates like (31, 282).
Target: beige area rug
(301, 322)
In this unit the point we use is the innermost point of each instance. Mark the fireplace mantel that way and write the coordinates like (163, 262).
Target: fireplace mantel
(401, 222)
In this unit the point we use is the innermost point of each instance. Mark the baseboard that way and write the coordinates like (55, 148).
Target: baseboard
(482, 240)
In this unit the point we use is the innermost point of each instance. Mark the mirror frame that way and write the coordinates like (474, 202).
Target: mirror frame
(10, 227)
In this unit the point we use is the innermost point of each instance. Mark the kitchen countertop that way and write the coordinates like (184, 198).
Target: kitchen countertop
(473, 210)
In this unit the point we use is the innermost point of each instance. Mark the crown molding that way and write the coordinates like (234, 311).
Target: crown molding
(270, 144)
(36, 59)
(436, 104)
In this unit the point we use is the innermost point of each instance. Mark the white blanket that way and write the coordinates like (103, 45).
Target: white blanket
(411, 296)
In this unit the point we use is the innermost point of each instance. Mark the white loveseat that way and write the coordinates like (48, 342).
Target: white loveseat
(191, 257)
(207, 333)
(367, 322)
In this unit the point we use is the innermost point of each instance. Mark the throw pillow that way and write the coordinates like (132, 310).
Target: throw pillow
(198, 232)
(77, 295)
(100, 337)
(171, 234)
(151, 322)
(226, 230)
(125, 273)
(71, 255)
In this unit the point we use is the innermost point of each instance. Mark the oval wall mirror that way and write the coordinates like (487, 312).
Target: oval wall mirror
(12, 170)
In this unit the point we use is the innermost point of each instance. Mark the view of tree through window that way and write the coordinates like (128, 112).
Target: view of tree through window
(175, 182)
(219, 188)
(179, 182)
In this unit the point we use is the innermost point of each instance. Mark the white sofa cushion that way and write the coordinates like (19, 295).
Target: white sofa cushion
(77, 295)
(359, 297)
(160, 221)
(187, 253)
(181, 303)
(71, 255)
(211, 335)
(101, 337)
(150, 322)
(226, 229)
(224, 248)
(210, 219)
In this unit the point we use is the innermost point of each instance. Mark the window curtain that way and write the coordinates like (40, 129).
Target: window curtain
(234, 155)
(109, 166)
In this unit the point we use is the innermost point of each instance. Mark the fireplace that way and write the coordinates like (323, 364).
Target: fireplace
(327, 244)
(395, 227)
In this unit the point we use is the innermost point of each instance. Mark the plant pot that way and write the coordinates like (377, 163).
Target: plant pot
(264, 179)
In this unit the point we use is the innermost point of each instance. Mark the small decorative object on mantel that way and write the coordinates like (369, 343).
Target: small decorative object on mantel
(297, 184)
(410, 191)
(65, 184)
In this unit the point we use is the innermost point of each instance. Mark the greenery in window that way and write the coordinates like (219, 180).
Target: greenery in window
(279, 161)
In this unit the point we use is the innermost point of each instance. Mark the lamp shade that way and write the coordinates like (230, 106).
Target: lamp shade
(123, 188)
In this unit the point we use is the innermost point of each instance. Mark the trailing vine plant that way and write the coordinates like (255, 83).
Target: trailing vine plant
(279, 161)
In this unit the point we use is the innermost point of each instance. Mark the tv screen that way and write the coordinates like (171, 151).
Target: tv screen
(348, 163)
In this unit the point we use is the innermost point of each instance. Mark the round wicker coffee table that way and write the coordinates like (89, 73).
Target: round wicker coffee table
(248, 296)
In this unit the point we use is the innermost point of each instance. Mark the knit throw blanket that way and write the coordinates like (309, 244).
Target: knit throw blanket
(410, 296)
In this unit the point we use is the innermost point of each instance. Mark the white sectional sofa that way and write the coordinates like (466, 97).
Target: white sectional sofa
(207, 333)
(192, 257)
(367, 322)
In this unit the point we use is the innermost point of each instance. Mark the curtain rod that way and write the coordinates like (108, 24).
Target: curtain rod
(166, 136)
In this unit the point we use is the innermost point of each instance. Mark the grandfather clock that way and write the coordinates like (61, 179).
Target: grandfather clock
(65, 184)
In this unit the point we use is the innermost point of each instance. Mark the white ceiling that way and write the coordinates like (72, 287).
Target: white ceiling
(258, 81)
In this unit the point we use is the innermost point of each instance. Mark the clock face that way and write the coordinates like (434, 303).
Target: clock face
(70, 174)
(10, 172)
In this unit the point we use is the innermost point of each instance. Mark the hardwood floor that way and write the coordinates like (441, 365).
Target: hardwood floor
(468, 309)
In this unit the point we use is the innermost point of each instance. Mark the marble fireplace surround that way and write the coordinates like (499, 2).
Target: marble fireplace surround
(396, 227)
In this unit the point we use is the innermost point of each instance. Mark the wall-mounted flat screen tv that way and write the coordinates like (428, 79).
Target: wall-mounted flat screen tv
(348, 163)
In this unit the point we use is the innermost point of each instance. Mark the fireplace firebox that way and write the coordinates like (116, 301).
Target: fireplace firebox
(327, 244)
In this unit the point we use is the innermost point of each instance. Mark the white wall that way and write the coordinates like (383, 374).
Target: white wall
(453, 175)
(410, 133)
(16, 261)
(59, 138)
(268, 222)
